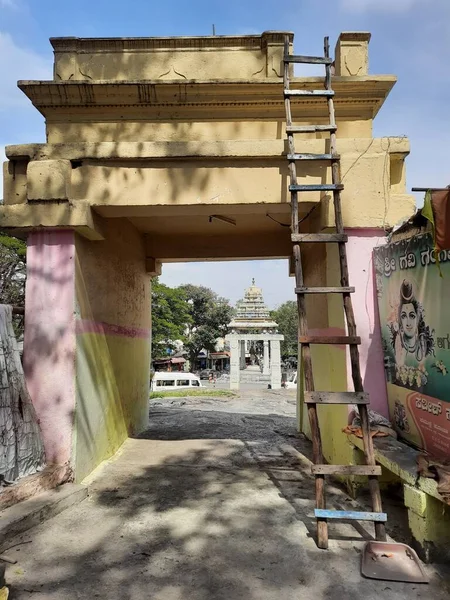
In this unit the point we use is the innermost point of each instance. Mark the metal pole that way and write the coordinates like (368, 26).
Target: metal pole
(431, 189)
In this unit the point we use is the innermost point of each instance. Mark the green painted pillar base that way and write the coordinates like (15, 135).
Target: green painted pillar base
(429, 521)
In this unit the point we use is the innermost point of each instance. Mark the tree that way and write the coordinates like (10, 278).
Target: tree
(170, 317)
(209, 318)
(13, 254)
(286, 316)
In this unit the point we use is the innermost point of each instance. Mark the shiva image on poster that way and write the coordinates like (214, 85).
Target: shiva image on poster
(412, 339)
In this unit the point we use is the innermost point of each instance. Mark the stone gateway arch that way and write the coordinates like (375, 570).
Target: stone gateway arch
(173, 149)
(251, 324)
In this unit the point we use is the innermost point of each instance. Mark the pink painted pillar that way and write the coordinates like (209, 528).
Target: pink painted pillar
(361, 243)
(49, 343)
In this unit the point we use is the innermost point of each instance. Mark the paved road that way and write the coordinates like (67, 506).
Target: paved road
(209, 504)
(224, 384)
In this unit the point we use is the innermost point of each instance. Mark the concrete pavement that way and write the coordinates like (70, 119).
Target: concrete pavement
(207, 505)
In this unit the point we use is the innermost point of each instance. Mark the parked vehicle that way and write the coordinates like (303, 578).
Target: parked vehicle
(205, 373)
(291, 383)
(174, 381)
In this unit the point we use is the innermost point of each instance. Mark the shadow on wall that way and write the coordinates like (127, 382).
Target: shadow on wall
(42, 340)
(180, 180)
(374, 376)
(144, 122)
(99, 417)
(49, 342)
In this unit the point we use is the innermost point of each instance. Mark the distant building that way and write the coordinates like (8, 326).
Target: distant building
(254, 339)
(175, 362)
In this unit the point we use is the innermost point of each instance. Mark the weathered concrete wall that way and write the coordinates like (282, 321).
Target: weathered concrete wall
(168, 190)
(143, 162)
(181, 182)
(87, 342)
(113, 344)
(230, 172)
(124, 129)
(49, 344)
(361, 243)
(227, 57)
(326, 317)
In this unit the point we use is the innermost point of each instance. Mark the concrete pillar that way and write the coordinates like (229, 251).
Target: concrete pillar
(50, 338)
(266, 366)
(87, 342)
(429, 522)
(275, 364)
(243, 351)
(352, 53)
(234, 363)
(113, 297)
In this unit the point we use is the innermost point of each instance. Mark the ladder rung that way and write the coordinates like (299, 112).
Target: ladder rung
(303, 156)
(346, 470)
(319, 93)
(319, 187)
(322, 513)
(325, 290)
(336, 398)
(338, 340)
(312, 60)
(305, 337)
(309, 128)
(324, 238)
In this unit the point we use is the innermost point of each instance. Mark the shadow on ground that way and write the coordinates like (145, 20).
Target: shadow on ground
(203, 506)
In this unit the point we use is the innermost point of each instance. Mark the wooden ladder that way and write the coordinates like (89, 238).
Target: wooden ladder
(311, 397)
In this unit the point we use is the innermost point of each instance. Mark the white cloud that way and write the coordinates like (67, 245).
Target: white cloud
(8, 4)
(379, 5)
(230, 279)
(18, 63)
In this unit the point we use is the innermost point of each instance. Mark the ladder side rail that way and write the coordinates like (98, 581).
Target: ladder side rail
(305, 352)
(374, 487)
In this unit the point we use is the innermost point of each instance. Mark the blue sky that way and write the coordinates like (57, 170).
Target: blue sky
(410, 38)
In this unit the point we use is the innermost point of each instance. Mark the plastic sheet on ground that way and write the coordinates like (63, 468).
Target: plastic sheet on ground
(21, 447)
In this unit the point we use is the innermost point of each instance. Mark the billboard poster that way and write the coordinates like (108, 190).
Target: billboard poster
(414, 306)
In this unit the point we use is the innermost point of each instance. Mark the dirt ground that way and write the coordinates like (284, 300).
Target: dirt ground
(210, 503)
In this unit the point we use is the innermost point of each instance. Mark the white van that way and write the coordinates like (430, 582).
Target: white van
(174, 381)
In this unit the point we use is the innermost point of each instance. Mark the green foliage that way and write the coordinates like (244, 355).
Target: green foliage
(286, 316)
(13, 275)
(15, 245)
(170, 317)
(209, 320)
(193, 314)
